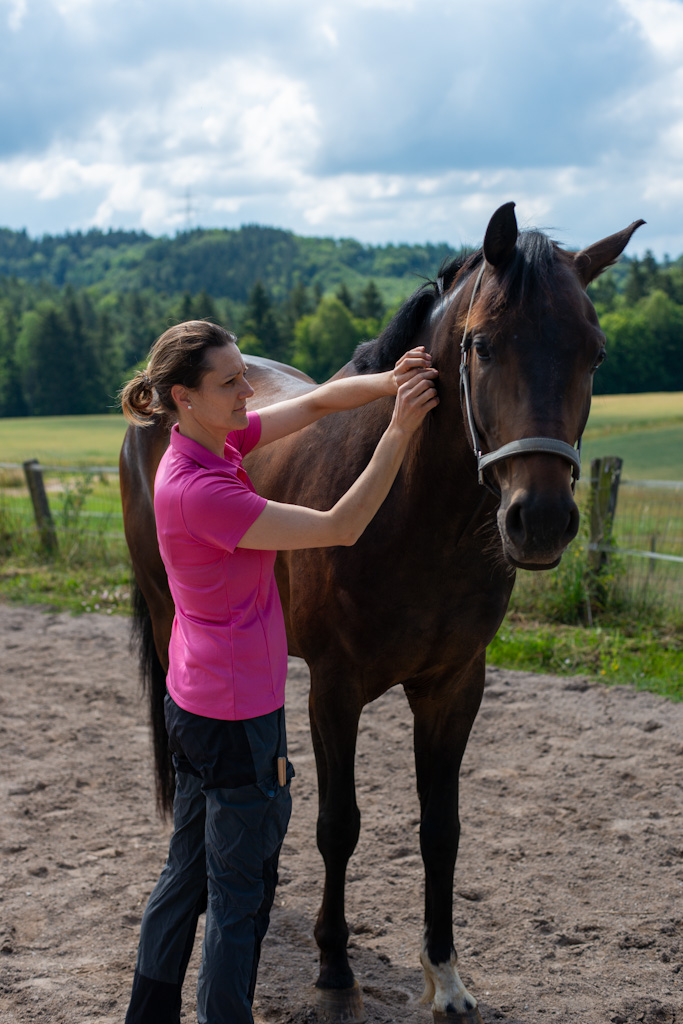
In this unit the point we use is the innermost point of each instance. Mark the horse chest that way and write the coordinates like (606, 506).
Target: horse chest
(413, 609)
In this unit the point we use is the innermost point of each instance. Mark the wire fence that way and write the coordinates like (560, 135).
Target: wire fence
(646, 538)
(76, 501)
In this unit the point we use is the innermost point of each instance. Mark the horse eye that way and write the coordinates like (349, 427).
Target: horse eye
(602, 355)
(481, 347)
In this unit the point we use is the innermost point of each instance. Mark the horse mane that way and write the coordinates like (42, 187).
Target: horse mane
(528, 275)
(399, 335)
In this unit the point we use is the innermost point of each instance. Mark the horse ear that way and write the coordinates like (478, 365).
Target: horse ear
(592, 261)
(501, 236)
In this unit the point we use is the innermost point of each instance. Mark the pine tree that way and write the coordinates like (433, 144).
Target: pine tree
(48, 362)
(11, 392)
(345, 296)
(205, 307)
(260, 321)
(371, 305)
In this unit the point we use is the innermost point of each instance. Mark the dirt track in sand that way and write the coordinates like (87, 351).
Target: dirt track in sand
(569, 885)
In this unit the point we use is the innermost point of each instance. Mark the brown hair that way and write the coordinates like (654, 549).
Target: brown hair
(178, 356)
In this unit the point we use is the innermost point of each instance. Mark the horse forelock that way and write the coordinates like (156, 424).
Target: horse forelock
(533, 277)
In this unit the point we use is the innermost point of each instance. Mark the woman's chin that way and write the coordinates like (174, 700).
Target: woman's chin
(239, 419)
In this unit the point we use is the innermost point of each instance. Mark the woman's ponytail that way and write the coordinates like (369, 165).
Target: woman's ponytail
(138, 400)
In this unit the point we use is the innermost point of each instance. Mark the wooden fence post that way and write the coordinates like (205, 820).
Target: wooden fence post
(605, 477)
(41, 506)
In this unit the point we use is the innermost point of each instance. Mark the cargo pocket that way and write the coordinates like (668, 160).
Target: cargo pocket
(278, 813)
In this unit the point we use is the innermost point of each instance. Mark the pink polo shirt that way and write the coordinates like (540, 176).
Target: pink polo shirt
(228, 649)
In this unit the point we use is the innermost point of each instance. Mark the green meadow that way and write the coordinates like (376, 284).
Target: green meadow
(646, 431)
(63, 440)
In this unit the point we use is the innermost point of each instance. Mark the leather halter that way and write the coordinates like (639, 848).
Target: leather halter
(549, 445)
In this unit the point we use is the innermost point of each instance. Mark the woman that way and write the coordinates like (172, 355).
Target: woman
(228, 650)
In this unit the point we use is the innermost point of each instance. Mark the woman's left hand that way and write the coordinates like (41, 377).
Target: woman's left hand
(414, 361)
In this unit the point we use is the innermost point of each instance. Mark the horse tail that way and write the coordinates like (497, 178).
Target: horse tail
(153, 677)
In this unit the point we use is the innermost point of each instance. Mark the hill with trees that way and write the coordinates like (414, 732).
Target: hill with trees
(78, 312)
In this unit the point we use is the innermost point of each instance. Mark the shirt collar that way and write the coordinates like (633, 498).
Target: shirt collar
(198, 453)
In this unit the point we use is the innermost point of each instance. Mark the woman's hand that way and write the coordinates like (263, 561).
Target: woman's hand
(413, 362)
(414, 399)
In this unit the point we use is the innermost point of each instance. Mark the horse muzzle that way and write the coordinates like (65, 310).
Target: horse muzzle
(536, 527)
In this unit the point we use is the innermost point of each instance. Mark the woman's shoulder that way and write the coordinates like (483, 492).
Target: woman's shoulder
(246, 439)
(217, 508)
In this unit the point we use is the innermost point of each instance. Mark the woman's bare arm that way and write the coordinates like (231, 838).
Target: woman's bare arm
(288, 527)
(286, 417)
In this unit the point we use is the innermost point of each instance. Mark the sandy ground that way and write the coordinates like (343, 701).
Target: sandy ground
(569, 884)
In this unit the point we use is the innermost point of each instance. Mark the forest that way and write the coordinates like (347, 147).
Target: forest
(79, 311)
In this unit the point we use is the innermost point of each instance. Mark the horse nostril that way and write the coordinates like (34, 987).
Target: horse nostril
(572, 524)
(514, 523)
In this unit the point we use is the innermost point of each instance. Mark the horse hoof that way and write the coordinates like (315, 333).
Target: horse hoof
(340, 1005)
(468, 1017)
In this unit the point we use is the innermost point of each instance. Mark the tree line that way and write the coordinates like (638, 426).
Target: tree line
(78, 313)
(68, 351)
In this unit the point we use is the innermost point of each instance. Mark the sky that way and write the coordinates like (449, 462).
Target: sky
(381, 120)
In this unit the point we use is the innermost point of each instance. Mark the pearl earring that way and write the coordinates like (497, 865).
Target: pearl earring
(189, 406)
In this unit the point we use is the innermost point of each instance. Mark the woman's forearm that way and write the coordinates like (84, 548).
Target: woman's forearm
(340, 395)
(355, 509)
(289, 527)
(351, 392)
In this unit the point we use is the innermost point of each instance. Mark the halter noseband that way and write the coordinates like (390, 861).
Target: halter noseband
(549, 445)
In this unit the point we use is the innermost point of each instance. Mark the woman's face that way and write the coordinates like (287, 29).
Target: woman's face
(219, 404)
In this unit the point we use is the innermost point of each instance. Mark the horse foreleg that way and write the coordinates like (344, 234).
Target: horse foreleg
(442, 728)
(334, 727)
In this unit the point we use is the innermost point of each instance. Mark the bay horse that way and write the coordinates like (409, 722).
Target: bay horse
(417, 600)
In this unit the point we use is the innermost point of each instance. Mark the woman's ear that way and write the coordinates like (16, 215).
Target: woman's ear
(181, 396)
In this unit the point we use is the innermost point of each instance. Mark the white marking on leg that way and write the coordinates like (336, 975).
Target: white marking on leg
(443, 987)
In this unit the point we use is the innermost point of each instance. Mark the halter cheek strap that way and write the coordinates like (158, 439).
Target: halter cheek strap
(548, 445)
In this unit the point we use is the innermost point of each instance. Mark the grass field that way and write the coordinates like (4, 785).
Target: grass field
(63, 440)
(646, 431)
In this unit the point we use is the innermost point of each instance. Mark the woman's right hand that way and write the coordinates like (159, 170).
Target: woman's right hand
(414, 361)
(414, 399)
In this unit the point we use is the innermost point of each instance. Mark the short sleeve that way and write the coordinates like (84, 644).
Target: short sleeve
(218, 509)
(246, 440)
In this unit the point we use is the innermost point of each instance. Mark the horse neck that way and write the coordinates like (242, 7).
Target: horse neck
(440, 459)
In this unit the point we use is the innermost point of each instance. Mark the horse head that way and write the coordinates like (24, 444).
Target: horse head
(530, 343)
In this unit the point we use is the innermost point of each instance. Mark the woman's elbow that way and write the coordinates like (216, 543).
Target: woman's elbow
(349, 535)
(344, 527)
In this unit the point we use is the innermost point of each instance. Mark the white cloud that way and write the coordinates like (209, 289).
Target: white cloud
(235, 131)
(385, 5)
(329, 34)
(384, 119)
(661, 22)
(16, 13)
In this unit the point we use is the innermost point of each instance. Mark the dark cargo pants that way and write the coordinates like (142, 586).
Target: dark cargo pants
(230, 818)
